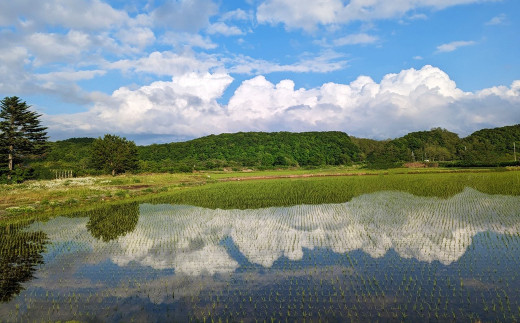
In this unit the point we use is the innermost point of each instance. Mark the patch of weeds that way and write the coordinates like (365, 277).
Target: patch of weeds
(71, 201)
(67, 182)
(122, 193)
(58, 193)
(117, 182)
(136, 180)
(148, 190)
(162, 189)
(20, 209)
(45, 202)
(54, 203)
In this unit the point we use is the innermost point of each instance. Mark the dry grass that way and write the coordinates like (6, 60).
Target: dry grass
(50, 195)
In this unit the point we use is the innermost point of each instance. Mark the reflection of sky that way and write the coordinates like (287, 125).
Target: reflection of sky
(188, 239)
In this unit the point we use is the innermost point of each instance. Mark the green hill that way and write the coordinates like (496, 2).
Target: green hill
(435, 145)
(254, 149)
(492, 145)
(484, 147)
(278, 149)
(69, 150)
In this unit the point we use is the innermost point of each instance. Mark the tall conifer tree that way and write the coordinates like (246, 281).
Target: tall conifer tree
(21, 134)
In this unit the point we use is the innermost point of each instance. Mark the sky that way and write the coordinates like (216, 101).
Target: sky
(158, 71)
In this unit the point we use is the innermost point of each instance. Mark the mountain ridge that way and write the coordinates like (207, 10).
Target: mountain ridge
(279, 149)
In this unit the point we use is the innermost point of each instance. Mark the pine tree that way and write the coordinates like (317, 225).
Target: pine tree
(21, 135)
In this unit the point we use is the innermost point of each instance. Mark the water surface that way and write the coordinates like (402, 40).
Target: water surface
(381, 256)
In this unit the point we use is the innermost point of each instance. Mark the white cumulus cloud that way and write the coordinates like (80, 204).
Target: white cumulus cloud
(407, 101)
(185, 105)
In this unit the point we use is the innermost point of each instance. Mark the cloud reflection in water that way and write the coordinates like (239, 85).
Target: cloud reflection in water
(188, 238)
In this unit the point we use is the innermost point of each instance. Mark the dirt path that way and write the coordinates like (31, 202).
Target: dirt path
(251, 178)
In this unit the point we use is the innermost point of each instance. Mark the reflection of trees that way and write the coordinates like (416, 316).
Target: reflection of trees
(20, 253)
(114, 221)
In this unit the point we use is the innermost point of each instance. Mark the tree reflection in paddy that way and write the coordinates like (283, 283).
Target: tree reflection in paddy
(114, 221)
(20, 254)
(381, 256)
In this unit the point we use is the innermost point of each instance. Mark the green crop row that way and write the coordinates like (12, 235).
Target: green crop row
(285, 192)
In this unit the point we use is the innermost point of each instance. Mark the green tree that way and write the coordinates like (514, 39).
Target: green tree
(21, 135)
(436, 153)
(114, 154)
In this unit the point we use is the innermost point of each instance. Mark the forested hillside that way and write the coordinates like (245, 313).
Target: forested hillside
(262, 150)
(254, 149)
(492, 145)
(489, 147)
(435, 145)
(70, 150)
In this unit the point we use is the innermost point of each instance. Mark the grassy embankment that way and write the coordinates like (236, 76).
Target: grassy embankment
(234, 190)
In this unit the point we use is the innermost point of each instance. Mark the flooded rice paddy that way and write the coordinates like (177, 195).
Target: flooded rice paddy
(386, 256)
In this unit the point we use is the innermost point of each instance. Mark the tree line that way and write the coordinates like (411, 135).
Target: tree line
(486, 147)
(23, 140)
(25, 151)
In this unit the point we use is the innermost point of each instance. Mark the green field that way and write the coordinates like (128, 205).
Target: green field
(242, 190)
(243, 194)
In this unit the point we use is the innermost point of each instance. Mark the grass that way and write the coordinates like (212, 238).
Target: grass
(234, 190)
(58, 196)
(331, 170)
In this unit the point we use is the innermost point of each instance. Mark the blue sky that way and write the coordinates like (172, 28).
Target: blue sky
(168, 70)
